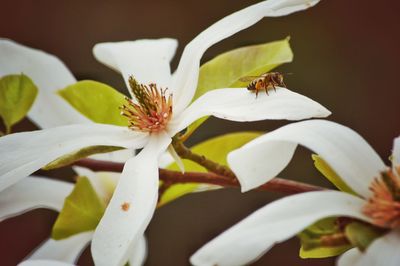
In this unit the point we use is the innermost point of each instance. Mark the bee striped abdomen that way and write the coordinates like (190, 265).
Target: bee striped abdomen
(252, 85)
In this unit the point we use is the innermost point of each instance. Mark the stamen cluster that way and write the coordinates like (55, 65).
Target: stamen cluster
(384, 206)
(153, 109)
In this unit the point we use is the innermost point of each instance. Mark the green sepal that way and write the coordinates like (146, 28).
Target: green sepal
(97, 101)
(330, 174)
(81, 212)
(70, 158)
(311, 246)
(361, 235)
(215, 149)
(17, 94)
(225, 70)
(323, 252)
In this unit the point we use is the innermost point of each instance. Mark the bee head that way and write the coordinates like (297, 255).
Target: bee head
(278, 79)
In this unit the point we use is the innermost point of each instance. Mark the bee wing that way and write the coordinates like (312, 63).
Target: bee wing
(248, 78)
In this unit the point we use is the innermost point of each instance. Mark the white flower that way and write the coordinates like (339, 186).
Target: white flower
(135, 197)
(38, 192)
(350, 156)
(49, 74)
(49, 110)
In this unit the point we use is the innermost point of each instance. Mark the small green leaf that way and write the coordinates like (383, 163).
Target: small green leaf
(361, 235)
(215, 149)
(177, 191)
(17, 94)
(310, 240)
(330, 174)
(81, 212)
(70, 158)
(323, 252)
(225, 70)
(97, 101)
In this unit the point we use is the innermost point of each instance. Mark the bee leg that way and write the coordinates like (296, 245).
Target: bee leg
(273, 86)
(256, 94)
(284, 85)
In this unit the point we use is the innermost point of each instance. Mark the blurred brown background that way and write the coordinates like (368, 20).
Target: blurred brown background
(346, 57)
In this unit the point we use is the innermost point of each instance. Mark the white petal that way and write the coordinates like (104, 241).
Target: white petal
(139, 254)
(44, 263)
(176, 157)
(349, 258)
(383, 251)
(396, 152)
(32, 193)
(186, 76)
(274, 223)
(242, 105)
(131, 207)
(23, 153)
(66, 250)
(146, 60)
(343, 149)
(165, 160)
(49, 74)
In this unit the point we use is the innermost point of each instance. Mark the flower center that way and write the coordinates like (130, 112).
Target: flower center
(153, 110)
(384, 206)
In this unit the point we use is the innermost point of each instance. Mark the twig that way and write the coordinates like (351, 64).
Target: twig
(169, 176)
(211, 166)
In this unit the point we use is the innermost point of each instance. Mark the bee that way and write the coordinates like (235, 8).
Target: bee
(264, 82)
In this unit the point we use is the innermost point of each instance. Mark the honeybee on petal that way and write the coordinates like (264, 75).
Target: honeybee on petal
(265, 82)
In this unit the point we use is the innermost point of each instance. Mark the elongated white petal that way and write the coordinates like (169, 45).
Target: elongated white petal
(349, 258)
(23, 153)
(242, 105)
(146, 60)
(343, 149)
(44, 263)
(49, 74)
(66, 250)
(139, 254)
(176, 157)
(186, 76)
(396, 152)
(383, 251)
(274, 223)
(131, 207)
(32, 193)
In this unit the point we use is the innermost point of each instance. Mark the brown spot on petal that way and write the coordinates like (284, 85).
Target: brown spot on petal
(125, 206)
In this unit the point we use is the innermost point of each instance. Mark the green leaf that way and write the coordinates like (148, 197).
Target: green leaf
(324, 168)
(323, 252)
(225, 70)
(215, 149)
(97, 101)
(361, 235)
(81, 212)
(17, 94)
(310, 240)
(70, 158)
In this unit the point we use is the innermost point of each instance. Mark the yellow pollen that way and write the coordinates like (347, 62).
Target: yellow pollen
(384, 206)
(153, 109)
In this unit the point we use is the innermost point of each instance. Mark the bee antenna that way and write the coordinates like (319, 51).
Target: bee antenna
(290, 73)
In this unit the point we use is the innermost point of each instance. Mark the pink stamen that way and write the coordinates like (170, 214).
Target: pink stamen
(153, 110)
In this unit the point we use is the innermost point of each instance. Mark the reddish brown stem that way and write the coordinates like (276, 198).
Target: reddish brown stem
(275, 185)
